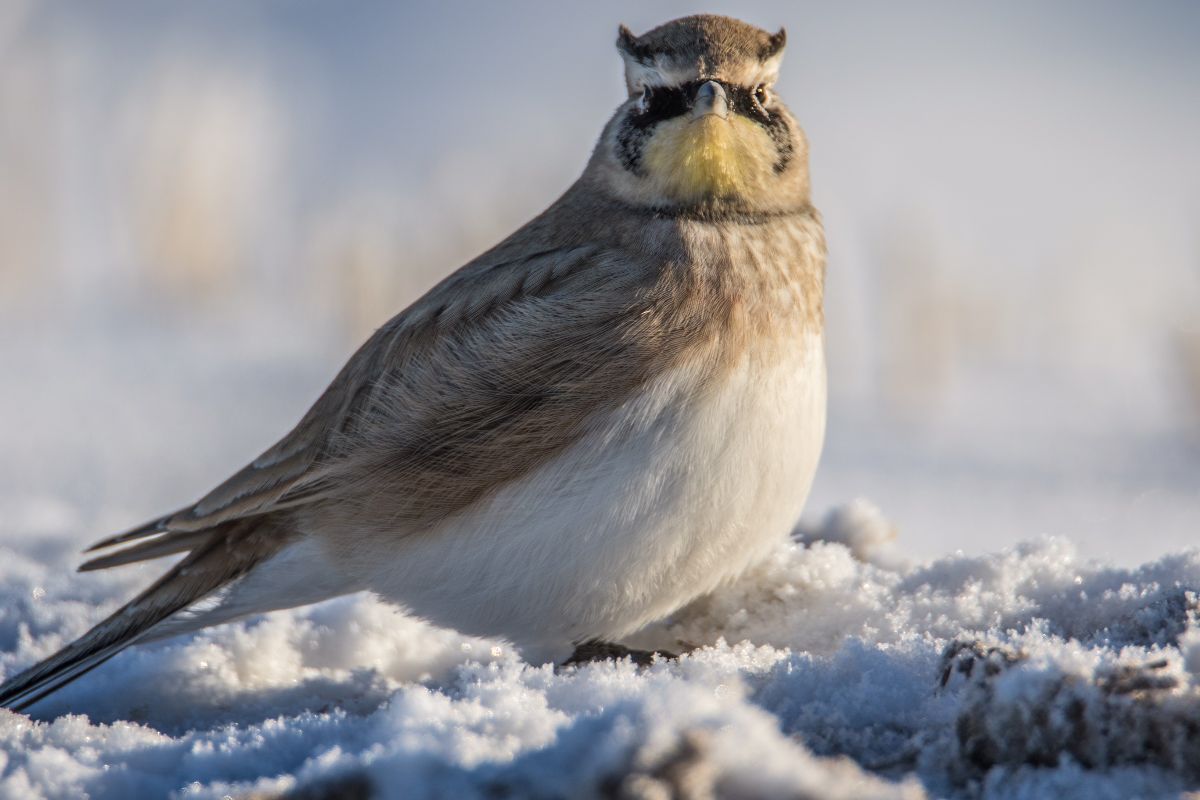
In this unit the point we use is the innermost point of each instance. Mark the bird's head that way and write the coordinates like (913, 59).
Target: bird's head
(702, 127)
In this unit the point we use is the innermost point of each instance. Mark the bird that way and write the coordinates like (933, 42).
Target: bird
(612, 412)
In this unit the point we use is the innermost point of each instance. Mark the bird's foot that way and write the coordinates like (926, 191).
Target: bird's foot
(596, 650)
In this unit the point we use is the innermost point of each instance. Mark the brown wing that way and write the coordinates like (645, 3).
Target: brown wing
(498, 368)
(297, 468)
(474, 407)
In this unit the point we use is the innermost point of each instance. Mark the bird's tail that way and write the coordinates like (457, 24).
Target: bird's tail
(218, 556)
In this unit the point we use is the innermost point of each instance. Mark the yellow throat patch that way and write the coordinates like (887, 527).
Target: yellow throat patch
(692, 159)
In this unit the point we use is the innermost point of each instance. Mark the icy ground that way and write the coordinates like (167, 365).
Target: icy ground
(843, 667)
(834, 670)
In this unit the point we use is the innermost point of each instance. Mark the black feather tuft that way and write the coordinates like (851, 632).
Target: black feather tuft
(777, 42)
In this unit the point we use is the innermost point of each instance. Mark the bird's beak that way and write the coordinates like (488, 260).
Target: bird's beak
(710, 99)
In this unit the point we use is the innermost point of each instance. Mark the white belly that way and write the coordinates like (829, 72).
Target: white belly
(666, 499)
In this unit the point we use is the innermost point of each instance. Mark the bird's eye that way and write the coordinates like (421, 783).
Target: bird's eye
(762, 94)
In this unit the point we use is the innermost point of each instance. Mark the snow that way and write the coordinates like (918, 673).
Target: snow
(835, 669)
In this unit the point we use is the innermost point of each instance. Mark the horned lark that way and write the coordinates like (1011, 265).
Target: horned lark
(606, 415)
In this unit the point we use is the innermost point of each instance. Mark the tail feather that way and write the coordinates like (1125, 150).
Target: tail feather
(144, 551)
(151, 528)
(227, 553)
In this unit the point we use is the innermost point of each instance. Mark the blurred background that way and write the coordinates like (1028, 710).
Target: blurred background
(204, 207)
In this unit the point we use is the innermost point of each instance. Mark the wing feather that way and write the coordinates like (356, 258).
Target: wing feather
(295, 470)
